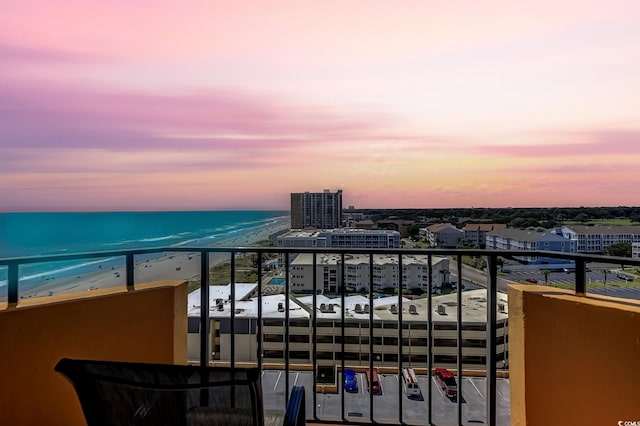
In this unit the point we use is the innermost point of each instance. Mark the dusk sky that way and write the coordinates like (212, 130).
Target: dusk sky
(167, 105)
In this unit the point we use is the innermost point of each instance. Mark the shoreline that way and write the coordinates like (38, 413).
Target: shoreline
(172, 266)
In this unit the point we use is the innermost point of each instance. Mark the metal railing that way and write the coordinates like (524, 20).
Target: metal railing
(491, 256)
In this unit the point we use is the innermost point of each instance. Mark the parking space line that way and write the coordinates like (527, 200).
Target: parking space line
(277, 380)
(474, 385)
(437, 386)
(296, 379)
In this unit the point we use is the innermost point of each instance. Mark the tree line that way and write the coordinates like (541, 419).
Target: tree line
(546, 217)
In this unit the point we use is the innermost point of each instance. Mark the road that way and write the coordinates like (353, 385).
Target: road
(477, 277)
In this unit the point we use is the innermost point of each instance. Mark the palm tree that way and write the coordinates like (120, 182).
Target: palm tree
(546, 273)
(605, 272)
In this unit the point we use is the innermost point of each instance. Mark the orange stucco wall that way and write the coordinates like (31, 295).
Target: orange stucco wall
(145, 325)
(573, 360)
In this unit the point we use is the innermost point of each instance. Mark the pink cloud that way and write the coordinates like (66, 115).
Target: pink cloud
(598, 142)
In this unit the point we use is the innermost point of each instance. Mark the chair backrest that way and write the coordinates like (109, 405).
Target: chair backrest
(124, 393)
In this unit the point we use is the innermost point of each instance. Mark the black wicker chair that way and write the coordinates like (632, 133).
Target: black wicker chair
(123, 393)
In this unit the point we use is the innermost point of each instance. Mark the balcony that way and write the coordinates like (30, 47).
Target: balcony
(546, 356)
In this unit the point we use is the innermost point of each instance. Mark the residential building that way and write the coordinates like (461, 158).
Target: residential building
(596, 238)
(357, 317)
(529, 239)
(442, 235)
(343, 237)
(386, 272)
(475, 234)
(322, 210)
(635, 250)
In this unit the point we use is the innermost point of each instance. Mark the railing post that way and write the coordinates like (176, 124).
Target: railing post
(459, 339)
(314, 325)
(129, 271)
(399, 346)
(287, 290)
(232, 311)
(12, 283)
(259, 320)
(430, 337)
(492, 317)
(581, 278)
(204, 308)
(371, 367)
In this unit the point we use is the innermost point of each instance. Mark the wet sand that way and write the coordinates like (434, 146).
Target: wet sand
(173, 266)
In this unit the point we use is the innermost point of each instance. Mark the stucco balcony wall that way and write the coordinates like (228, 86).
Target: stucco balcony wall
(573, 360)
(145, 325)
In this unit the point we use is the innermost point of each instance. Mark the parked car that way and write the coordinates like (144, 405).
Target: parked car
(447, 382)
(350, 381)
(625, 277)
(532, 280)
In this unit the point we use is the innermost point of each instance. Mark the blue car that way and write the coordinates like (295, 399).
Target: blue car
(350, 381)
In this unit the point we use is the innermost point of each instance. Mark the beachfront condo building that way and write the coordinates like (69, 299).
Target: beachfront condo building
(357, 272)
(342, 238)
(322, 210)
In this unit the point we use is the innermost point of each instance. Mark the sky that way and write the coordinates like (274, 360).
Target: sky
(205, 105)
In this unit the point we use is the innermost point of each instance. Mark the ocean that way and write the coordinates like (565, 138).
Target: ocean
(38, 234)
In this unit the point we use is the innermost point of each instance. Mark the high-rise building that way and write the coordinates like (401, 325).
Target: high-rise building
(322, 210)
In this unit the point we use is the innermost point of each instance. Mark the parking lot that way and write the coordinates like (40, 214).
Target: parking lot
(386, 405)
(615, 286)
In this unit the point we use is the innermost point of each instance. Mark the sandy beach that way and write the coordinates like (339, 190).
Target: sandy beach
(172, 266)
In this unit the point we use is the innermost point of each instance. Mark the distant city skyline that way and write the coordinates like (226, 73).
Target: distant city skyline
(162, 105)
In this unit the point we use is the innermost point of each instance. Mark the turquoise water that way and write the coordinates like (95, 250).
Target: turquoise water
(37, 234)
(277, 281)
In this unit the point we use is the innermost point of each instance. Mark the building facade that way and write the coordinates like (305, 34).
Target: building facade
(322, 210)
(530, 239)
(595, 239)
(343, 237)
(442, 235)
(635, 250)
(357, 273)
(475, 234)
(355, 335)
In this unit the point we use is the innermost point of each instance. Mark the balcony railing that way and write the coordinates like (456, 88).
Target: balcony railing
(491, 283)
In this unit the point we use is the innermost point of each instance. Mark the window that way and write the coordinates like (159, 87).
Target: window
(299, 338)
(441, 326)
(480, 327)
(451, 343)
(324, 324)
(324, 339)
(273, 338)
(324, 355)
(391, 341)
(299, 354)
(299, 323)
(274, 354)
(474, 343)
(273, 323)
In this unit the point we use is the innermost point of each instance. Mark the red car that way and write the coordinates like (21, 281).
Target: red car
(447, 381)
(532, 280)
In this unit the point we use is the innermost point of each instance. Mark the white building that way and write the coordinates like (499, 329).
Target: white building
(442, 235)
(595, 239)
(635, 250)
(357, 322)
(386, 272)
(342, 237)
